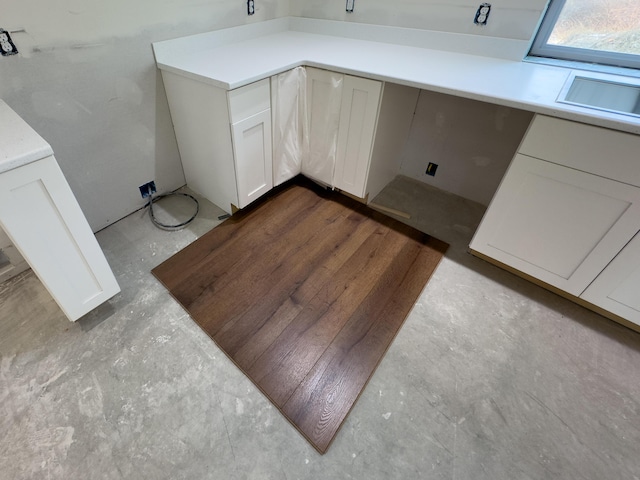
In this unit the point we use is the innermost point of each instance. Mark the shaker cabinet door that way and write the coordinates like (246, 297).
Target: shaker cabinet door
(358, 119)
(617, 288)
(253, 157)
(557, 224)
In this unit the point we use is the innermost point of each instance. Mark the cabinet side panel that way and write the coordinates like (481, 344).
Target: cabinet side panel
(200, 118)
(397, 108)
(43, 219)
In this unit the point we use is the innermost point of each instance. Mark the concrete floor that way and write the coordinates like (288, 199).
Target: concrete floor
(490, 378)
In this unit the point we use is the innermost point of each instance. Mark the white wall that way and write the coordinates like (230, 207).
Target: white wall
(86, 80)
(471, 142)
(515, 19)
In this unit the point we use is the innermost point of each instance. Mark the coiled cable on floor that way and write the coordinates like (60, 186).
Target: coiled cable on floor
(164, 226)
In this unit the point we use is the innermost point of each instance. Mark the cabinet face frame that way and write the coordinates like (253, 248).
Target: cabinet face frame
(529, 228)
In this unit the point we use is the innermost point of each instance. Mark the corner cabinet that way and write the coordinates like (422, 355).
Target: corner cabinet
(357, 127)
(566, 213)
(342, 131)
(224, 138)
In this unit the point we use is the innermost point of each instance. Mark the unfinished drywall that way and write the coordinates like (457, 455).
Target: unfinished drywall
(471, 142)
(515, 19)
(86, 81)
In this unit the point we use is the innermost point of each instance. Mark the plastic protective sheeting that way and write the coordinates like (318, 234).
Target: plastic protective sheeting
(289, 123)
(324, 93)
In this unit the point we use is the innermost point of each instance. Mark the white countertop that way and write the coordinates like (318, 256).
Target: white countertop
(19, 143)
(238, 56)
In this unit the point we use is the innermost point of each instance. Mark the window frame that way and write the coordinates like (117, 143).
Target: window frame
(540, 47)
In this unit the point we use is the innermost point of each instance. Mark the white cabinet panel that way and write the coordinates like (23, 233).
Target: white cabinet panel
(252, 150)
(289, 123)
(324, 97)
(557, 224)
(358, 115)
(40, 214)
(617, 288)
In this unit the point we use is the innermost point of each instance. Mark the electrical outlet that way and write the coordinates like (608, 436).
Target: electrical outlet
(7, 47)
(147, 189)
(431, 169)
(482, 15)
(251, 7)
(351, 5)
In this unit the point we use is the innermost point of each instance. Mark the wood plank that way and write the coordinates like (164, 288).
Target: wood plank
(288, 360)
(304, 292)
(302, 295)
(323, 400)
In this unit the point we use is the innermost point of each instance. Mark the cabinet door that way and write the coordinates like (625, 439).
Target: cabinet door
(557, 224)
(289, 120)
(358, 118)
(324, 95)
(617, 288)
(252, 152)
(41, 216)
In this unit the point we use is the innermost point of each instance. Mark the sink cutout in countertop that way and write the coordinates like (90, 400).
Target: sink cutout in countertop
(600, 92)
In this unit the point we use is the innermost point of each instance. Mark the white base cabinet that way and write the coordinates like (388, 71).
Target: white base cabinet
(342, 131)
(558, 218)
(224, 138)
(41, 216)
(357, 129)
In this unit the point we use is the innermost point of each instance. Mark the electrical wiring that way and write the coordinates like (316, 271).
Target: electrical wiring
(164, 226)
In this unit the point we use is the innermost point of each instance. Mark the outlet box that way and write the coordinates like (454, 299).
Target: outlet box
(147, 189)
(431, 169)
(482, 15)
(7, 47)
(251, 7)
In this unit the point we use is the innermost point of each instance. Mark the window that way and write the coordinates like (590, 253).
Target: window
(594, 31)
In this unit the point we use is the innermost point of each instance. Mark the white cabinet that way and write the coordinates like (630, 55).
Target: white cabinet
(224, 138)
(566, 212)
(339, 130)
(558, 224)
(357, 130)
(41, 216)
(617, 288)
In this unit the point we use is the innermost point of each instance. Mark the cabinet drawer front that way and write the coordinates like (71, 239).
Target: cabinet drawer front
(596, 150)
(249, 100)
(557, 224)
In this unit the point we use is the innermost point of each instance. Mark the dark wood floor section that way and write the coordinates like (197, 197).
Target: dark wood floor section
(305, 292)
